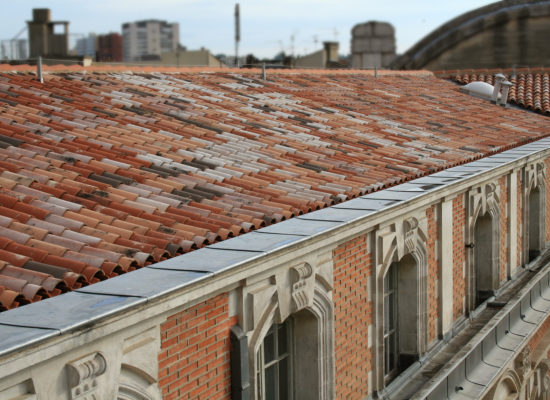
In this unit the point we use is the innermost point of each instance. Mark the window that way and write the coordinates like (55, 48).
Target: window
(483, 256)
(390, 324)
(535, 223)
(402, 317)
(275, 361)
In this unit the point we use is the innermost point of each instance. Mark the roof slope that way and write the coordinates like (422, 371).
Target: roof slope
(529, 90)
(103, 173)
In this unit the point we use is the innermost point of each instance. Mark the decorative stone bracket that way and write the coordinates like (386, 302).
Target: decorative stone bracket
(288, 290)
(402, 236)
(482, 199)
(410, 230)
(534, 175)
(82, 376)
(523, 363)
(302, 286)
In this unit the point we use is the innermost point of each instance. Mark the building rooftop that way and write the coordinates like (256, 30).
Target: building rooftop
(106, 171)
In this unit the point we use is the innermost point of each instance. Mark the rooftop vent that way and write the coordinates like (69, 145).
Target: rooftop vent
(497, 94)
(482, 90)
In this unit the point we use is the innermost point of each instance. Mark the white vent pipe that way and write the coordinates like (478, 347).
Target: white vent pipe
(499, 78)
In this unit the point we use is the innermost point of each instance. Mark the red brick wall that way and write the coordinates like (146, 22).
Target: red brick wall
(519, 260)
(459, 256)
(194, 362)
(352, 316)
(433, 274)
(539, 335)
(503, 246)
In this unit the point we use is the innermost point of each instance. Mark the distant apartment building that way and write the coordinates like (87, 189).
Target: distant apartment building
(148, 39)
(109, 47)
(86, 46)
(14, 49)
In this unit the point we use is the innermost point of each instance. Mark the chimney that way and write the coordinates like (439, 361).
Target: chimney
(499, 78)
(331, 50)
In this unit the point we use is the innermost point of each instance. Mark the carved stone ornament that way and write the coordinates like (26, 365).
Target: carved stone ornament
(534, 175)
(300, 294)
(82, 376)
(410, 227)
(523, 362)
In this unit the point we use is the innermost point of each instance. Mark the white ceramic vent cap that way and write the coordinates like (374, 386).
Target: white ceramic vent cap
(482, 90)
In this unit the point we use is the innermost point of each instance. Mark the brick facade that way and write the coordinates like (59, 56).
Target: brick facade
(459, 256)
(539, 335)
(194, 361)
(352, 317)
(433, 274)
(503, 229)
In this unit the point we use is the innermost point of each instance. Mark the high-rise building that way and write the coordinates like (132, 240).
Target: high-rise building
(148, 39)
(14, 49)
(86, 46)
(109, 47)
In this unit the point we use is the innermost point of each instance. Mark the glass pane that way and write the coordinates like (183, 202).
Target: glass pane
(391, 277)
(386, 315)
(391, 313)
(270, 383)
(283, 379)
(269, 348)
(282, 339)
(392, 355)
(386, 356)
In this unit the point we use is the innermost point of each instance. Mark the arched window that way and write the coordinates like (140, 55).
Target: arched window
(483, 259)
(288, 360)
(401, 319)
(291, 348)
(535, 224)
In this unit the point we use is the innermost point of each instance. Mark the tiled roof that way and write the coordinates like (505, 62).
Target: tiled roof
(105, 172)
(530, 90)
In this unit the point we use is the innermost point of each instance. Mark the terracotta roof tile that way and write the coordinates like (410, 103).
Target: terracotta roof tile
(98, 180)
(530, 88)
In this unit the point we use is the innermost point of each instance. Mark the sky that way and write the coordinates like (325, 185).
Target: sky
(267, 26)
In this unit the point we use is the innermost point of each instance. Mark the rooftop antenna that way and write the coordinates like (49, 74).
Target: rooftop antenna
(315, 41)
(335, 34)
(39, 75)
(237, 33)
(292, 38)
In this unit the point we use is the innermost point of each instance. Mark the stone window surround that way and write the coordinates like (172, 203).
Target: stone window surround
(482, 200)
(401, 237)
(534, 177)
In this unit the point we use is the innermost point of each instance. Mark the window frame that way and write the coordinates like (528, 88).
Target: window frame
(391, 328)
(275, 330)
